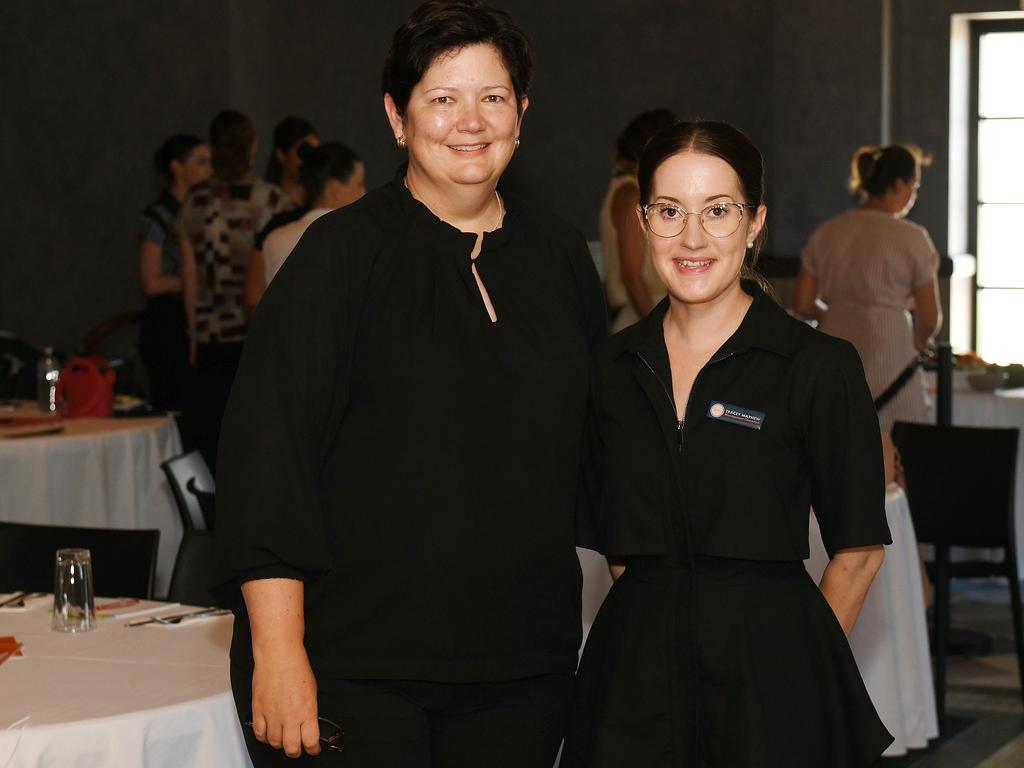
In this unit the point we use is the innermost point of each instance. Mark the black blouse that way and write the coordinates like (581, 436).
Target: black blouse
(779, 420)
(415, 464)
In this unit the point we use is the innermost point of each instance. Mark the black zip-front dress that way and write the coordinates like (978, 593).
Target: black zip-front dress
(715, 649)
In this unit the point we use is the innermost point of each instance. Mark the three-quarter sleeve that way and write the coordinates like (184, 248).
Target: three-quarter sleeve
(285, 408)
(844, 451)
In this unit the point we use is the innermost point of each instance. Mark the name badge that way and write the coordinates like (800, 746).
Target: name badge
(734, 414)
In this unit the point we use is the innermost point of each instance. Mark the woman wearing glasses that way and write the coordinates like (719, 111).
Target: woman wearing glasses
(402, 447)
(717, 421)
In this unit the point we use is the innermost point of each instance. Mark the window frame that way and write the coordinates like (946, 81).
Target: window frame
(977, 29)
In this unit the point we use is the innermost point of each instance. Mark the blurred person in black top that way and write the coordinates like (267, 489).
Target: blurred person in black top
(717, 422)
(182, 161)
(400, 455)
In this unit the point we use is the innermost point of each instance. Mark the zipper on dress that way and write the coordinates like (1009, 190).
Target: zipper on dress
(681, 423)
(671, 400)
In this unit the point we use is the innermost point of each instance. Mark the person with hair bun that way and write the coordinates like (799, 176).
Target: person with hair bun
(716, 422)
(870, 276)
(333, 177)
(182, 162)
(285, 163)
(401, 452)
(631, 285)
(218, 221)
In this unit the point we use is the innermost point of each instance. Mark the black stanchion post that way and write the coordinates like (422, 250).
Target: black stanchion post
(944, 406)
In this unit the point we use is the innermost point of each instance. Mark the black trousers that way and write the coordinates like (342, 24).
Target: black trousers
(416, 724)
(206, 396)
(163, 347)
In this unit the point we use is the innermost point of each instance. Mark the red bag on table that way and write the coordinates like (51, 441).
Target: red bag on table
(86, 387)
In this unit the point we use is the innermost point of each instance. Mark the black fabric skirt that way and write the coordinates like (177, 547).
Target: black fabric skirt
(722, 664)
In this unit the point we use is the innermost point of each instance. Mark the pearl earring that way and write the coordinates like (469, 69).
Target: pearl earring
(750, 244)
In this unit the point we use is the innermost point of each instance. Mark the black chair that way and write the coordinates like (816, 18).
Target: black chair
(195, 569)
(960, 487)
(193, 488)
(123, 561)
(18, 361)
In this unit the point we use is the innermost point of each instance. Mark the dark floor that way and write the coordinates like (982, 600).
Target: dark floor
(985, 728)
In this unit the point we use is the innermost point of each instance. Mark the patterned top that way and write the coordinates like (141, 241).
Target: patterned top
(868, 264)
(158, 224)
(220, 219)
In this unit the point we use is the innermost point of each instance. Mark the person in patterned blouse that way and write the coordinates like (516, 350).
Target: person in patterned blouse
(218, 222)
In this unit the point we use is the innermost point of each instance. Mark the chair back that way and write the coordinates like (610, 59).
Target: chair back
(193, 487)
(960, 483)
(195, 569)
(123, 561)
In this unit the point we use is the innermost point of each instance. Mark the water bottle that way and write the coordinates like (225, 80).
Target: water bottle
(48, 371)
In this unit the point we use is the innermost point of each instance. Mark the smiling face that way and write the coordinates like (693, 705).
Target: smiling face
(695, 266)
(462, 120)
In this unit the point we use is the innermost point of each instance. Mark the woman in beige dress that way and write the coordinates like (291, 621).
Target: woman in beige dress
(632, 287)
(870, 276)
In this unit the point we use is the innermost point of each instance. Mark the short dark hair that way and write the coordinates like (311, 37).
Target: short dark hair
(440, 26)
(231, 138)
(331, 160)
(874, 169)
(287, 133)
(177, 147)
(639, 131)
(709, 138)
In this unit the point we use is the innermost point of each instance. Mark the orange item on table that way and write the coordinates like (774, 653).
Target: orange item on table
(9, 646)
(86, 387)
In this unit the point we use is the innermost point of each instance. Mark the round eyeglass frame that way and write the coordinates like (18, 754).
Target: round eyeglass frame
(646, 207)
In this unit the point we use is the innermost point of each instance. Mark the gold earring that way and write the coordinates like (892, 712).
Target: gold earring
(400, 141)
(517, 142)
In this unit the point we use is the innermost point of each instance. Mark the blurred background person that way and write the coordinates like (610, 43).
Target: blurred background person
(285, 161)
(183, 161)
(334, 177)
(218, 222)
(631, 284)
(870, 276)
(292, 136)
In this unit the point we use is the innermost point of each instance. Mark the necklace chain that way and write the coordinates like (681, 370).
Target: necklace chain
(497, 198)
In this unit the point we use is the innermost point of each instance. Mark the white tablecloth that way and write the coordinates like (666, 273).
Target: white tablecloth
(890, 639)
(101, 473)
(116, 697)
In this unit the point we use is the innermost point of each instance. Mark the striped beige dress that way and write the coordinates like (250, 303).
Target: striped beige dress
(867, 264)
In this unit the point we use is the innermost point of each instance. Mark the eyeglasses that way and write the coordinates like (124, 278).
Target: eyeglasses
(334, 741)
(719, 219)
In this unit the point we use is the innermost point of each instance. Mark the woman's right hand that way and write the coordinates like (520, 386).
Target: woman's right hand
(284, 705)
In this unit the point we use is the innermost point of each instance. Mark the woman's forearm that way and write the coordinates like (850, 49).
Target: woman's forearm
(276, 615)
(847, 579)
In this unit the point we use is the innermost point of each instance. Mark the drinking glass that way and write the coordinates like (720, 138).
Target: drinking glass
(73, 607)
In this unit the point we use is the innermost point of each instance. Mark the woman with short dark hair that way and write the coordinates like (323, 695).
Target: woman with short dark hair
(182, 162)
(401, 451)
(716, 422)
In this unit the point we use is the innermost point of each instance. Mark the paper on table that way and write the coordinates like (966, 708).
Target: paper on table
(124, 609)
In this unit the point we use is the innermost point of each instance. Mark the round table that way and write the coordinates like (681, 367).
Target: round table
(117, 697)
(890, 639)
(100, 473)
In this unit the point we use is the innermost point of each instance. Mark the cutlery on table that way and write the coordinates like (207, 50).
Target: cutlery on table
(179, 617)
(17, 600)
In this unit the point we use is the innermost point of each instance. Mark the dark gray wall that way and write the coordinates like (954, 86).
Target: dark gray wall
(91, 88)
